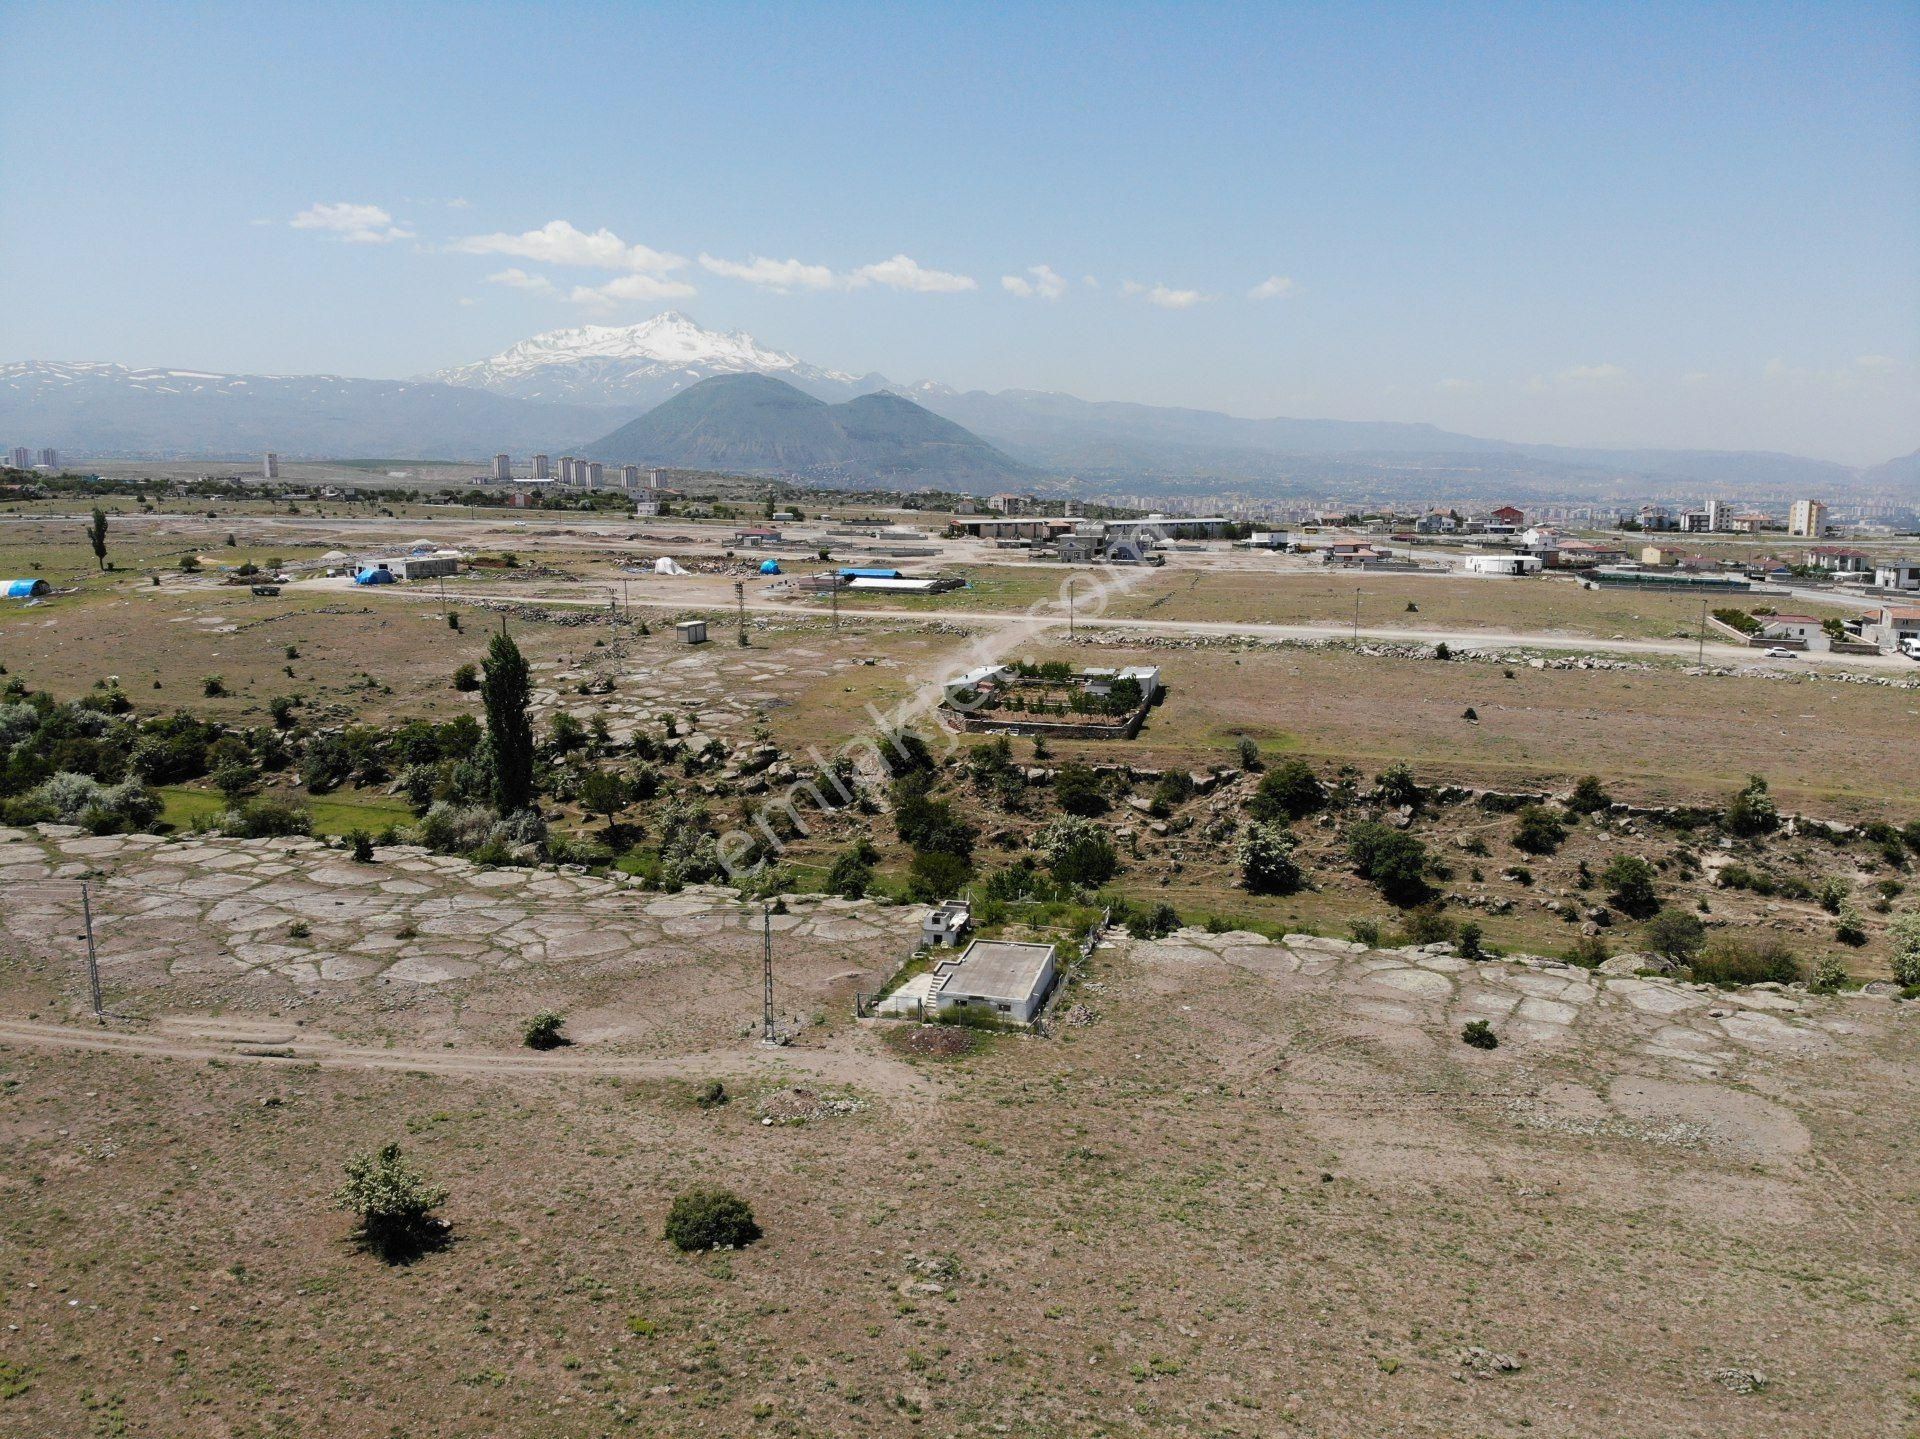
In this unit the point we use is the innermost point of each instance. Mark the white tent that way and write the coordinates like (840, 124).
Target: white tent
(667, 565)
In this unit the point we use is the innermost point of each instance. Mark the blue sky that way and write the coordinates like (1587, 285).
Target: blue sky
(1676, 225)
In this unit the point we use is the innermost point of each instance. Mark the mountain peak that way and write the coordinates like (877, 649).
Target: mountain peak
(636, 364)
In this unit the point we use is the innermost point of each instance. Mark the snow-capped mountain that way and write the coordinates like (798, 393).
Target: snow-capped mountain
(107, 410)
(640, 365)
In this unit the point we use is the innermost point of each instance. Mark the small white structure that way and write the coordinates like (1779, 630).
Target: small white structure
(946, 924)
(692, 632)
(424, 567)
(1501, 565)
(667, 565)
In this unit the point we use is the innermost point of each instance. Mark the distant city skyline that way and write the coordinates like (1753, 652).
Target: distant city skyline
(1687, 226)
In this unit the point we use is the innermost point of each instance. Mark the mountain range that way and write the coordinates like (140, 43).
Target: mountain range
(557, 391)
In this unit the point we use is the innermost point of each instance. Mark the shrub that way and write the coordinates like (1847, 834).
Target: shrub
(1630, 888)
(1539, 830)
(1589, 796)
(466, 678)
(265, 817)
(395, 1202)
(1752, 811)
(1429, 925)
(1397, 787)
(455, 829)
(1469, 941)
(213, 686)
(935, 875)
(710, 1219)
(1733, 960)
(1831, 893)
(851, 873)
(1905, 934)
(1249, 755)
(1675, 934)
(543, 1031)
(1395, 863)
(1287, 793)
(1589, 951)
(1848, 927)
(1076, 789)
(1479, 1034)
(1365, 931)
(1265, 856)
(1829, 976)
(362, 843)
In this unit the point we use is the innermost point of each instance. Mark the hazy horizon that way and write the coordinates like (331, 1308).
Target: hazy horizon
(1690, 229)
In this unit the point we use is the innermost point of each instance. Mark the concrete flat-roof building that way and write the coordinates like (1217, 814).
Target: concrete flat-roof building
(270, 466)
(1002, 979)
(502, 468)
(542, 468)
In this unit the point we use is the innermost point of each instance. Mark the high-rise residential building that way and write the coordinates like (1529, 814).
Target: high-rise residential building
(20, 459)
(502, 468)
(629, 477)
(50, 458)
(1719, 516)
(1807, 519)
(653, 480)
(566, 469)
(270, 466)
(595, 475)
(542, 468)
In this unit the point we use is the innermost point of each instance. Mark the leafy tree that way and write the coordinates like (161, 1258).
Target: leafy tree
(1479, 1034)
(710, 1219)
(1630, 888)
(1084, 857)
(1675, 934)
(1265, 856)
(1752, 811)
(935, 875)
(852, 872)
(394, 1201)
(1470, 941)
(1248, 753)
(505, 693)
(1394, 862)
(466, 679)
(1538, 830)
(1287, 793)
(603, 793)
(97, 536)
(1076, 788)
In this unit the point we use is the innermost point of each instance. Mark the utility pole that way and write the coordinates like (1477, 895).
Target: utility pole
(1356, 617)
(766, 971)
(740, 607)
(1070, 580)
(1703, 634)
(834, 593)
(93, 961)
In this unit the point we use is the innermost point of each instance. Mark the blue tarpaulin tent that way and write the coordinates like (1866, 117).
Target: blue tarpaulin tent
(860, 574)
(26, 589)
(769, 567)
(373, 575)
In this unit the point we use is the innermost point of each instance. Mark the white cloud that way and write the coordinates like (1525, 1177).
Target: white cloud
(355, 224)
(781, 275)
(1045, 284)
(467, 302)
(905, 273)
(458, 203)
(518, 279)
(1594, 374)
(1090, 281)
(1457, 386)
(1274, 287)
(630, 287)
(558, 243)
(1697, 377)
(1164, 296)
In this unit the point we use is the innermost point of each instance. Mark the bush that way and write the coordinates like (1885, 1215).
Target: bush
(543, 1031)
(1905, 934)
(455, 829)
(1479, 1034)
(1539, 830)
(1732, 960)
(394, 1201)
(1396, 786)
(213, 686)
(362, 843)
(1076, 789)
(265, 817)
(1469, 941)
(712, 1095)
(710, 1219)
(1265, 856)
(466, 679)
(1752, 811)
(1288, 793)
(852, 872)
(1249, 755)
(1589, 951)
(1675, 934)
(935, 875)
(1589, 796)
(1829, 976)
(1630, 888)
(1395, 863)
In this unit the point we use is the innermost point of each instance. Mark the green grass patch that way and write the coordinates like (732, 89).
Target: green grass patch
(183, 807)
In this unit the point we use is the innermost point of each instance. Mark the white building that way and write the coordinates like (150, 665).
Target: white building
(595, 476)
(270, 466)
(629, 477)
(21, 458)
(542, 468)
(1513, 565)
(1001, 979)
(1897, 574)
(946, 924)
(1807, 519)
(50, 459)
(502, 468)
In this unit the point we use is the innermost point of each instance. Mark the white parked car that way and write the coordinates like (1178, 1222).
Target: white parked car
(1774, 652)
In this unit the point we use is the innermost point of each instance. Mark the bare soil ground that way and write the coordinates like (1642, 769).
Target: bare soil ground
(1265, 1191)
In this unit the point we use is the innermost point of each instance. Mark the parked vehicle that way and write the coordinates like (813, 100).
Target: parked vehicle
(1774, 652)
